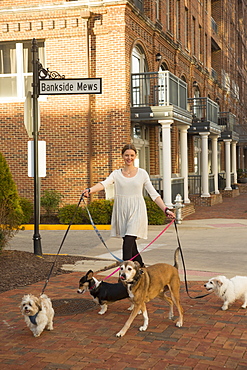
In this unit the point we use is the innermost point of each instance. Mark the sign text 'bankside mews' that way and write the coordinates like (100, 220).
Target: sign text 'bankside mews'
(70, 86)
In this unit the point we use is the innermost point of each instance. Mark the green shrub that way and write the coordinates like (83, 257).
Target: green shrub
(100, 210)
(67, 212)
(50, 202)
(10, 210)
(27, 209)
(155, 215)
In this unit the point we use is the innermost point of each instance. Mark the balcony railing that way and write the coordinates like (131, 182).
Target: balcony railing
(195, 184)
(158, 89)
(211, 186)
(222, 180)
(177, 186)
(227, 119)
(204, 109)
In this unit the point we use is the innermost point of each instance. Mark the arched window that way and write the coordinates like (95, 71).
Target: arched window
(140, 82)
(138, 60)
(163, 67)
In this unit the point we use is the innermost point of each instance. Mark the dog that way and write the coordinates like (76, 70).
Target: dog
(229, 290)
(102, 292)
(146, 283)
(38, 313)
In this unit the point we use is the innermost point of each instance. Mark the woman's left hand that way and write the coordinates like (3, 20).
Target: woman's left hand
(170, 214)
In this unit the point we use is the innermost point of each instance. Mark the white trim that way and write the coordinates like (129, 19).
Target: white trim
(65, 5)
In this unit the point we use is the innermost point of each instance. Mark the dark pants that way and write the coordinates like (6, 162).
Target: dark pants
(130, 249)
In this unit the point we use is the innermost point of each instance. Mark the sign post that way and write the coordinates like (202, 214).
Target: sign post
(47, 82)
(36, 235)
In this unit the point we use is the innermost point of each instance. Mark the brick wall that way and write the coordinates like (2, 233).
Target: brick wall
(85, 134)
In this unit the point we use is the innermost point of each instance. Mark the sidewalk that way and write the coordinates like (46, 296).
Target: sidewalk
(210, 338)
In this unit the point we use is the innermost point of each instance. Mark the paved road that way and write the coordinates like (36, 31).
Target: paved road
(213, 246)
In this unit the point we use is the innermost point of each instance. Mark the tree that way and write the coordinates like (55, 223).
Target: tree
(10, 210)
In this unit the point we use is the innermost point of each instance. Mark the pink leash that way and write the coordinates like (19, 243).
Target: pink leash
(145, 247)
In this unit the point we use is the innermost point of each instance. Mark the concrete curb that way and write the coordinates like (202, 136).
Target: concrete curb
(64, 227)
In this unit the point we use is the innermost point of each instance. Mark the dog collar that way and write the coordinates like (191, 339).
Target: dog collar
(135, 280)
(33, 319)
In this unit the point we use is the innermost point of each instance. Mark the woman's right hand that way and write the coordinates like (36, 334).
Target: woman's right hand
(86, 192)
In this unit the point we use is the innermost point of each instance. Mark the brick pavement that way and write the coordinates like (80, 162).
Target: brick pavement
(210, 339)
(235, 208)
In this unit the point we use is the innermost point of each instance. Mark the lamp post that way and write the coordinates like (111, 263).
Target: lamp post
(35, 85)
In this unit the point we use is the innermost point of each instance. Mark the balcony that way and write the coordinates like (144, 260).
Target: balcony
(227, 121)
(158, 95)
(241, 130)
(205, 115)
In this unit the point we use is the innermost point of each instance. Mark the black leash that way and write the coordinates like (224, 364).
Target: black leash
(65, 235)
(185, 275)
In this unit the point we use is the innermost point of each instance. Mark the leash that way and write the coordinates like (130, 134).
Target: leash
(185, 275)
(65, 235)
(98, 233)
(144, 247)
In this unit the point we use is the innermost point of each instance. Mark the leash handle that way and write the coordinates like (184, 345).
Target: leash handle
(185, 274)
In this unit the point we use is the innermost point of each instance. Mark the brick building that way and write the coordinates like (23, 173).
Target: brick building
(174, 82)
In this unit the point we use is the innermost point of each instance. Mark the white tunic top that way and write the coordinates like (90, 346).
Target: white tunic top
(129, 215)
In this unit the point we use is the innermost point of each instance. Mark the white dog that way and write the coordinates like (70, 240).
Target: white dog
(229, 289)
(38, 313)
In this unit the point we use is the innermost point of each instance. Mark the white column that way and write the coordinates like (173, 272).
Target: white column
(215, 162)
(204, 136)
(234, 161)
(228, 163)
(184, 159)
(167, 163)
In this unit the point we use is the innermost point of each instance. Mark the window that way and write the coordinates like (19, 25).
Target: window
(168, 22)
(200, 48)
(206, 51)
(16, 68)
(178, 20)
(193, 36)
(140, 84)
(140, 136)
(186, 28)
(139, 4)
(157, 9)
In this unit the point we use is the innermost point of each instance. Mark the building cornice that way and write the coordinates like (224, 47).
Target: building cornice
(65, 5)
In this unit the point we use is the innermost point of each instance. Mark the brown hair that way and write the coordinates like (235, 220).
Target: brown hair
(129, 146)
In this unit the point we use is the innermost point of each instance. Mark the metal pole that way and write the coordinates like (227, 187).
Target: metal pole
(35, 84)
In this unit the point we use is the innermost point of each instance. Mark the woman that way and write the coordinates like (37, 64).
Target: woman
(129, 217)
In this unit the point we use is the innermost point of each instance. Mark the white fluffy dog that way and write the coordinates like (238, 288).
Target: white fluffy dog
(229, 289)
(38, 313)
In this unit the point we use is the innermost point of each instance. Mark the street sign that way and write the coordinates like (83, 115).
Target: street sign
(70, 86)
(42, 158)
